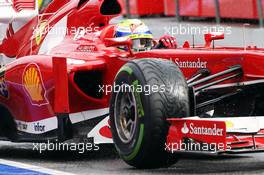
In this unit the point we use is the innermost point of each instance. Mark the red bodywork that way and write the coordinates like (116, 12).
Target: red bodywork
(202, 135)
(56, 74)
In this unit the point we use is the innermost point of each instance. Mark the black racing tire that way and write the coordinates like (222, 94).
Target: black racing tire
(8, 126)
(145, 147)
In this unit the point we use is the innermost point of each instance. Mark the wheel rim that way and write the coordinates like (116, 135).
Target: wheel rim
(125, 114)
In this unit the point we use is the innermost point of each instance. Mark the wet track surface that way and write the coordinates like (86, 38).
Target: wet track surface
(105, 161)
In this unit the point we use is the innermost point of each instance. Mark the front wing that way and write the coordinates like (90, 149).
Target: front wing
(216, 135)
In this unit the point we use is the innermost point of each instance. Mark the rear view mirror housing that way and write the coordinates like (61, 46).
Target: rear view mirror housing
(120, 41)
(210, 37)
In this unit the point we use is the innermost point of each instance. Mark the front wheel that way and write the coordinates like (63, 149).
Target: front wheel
(147, 92)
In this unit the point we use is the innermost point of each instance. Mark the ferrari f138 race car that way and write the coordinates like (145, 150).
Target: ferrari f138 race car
(52, 86)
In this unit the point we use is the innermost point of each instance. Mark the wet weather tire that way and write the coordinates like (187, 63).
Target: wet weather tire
(147, 92)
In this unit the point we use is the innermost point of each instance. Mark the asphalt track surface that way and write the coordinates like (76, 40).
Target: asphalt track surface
(105, 161)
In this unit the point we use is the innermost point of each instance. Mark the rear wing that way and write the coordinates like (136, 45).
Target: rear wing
(17, 10)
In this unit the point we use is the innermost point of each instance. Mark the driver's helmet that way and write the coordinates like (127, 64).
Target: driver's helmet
(139, 33)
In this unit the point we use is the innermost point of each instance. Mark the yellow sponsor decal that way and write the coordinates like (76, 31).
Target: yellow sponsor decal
(229, 124)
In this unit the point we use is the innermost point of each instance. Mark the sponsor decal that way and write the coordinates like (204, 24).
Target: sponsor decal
(198, 64)
(185, 129)
(3, 88)
(87, 48)
(39, 128)
(229, 124)
(33, 85)
(140, 108)
(184, 133)
(202, 130)
(4, 92)
(21, 126)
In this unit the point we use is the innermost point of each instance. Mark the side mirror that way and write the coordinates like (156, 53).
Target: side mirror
(120, 41)
(213, 36)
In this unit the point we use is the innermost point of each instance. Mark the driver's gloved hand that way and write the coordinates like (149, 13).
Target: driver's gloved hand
(167, 42)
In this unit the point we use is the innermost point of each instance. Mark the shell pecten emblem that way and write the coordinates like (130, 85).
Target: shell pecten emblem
(33, 85)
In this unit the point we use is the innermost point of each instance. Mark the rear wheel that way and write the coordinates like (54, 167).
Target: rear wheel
(147, 92)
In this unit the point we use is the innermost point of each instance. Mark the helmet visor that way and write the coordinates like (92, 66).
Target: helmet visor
(142, 44)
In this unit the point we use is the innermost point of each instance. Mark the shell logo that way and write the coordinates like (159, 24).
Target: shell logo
(33, 85)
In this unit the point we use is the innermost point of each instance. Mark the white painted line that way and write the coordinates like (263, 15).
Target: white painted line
(33, 168)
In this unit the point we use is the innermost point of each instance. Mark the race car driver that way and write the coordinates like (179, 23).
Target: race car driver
(142, 37)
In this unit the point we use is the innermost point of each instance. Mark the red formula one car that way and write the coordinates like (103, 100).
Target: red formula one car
(67, 65)
(51, 73)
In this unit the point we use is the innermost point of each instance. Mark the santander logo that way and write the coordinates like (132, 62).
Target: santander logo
(185, 129)
(202, 130)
